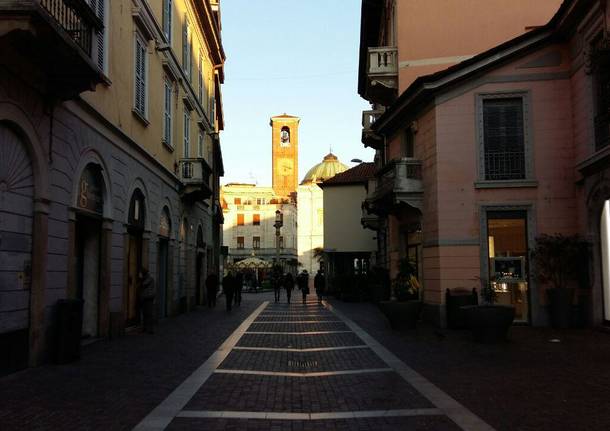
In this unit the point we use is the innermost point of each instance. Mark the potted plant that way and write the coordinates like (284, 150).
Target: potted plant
(404, 311)
(489, 322)
(558, 261)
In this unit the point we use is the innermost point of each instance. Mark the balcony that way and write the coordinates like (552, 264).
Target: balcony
(369, 137)
(368, 219)
(195, 176)
(382, 74)
(398, 183)
(57, 38)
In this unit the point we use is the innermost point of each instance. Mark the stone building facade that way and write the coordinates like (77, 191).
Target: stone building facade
(109, 162)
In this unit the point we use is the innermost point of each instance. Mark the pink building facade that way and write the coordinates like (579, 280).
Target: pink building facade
(480, 158)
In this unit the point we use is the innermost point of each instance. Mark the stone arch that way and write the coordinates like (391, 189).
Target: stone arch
(166, 203)
(16, 119)
(91, 156)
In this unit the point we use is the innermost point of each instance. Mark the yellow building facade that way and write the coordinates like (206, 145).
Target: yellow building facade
(110, 114)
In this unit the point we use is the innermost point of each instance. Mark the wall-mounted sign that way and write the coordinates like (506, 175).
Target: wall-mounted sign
(90, 195)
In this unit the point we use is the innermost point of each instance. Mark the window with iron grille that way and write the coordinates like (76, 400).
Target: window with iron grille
(503, 137)
(601, 85)
(167, 113)
(240, 242)
(256, 242)
(167, 20)
(140, 75)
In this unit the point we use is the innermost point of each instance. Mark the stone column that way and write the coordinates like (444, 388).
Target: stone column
(38, 282)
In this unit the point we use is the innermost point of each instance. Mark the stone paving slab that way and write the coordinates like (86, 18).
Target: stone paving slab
(336, 360)
(294, 317)
(300, 341)
(425, 423)
(375, 391)
(298, 327)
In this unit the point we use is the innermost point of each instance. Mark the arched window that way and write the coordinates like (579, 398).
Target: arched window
(285, 137)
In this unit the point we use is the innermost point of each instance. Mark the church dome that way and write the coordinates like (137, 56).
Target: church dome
(328, 168)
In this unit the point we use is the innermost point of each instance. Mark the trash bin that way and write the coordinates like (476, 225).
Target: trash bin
(69, 329)
(456, 317)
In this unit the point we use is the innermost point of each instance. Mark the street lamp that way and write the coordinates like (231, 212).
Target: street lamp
(279, 222)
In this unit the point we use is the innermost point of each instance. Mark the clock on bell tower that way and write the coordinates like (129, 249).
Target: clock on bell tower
(285, 153)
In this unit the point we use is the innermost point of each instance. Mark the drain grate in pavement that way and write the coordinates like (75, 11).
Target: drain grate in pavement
(302, 364)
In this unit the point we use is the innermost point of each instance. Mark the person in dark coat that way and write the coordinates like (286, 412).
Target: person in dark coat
(211, 285)
(147, 301)
(319, 283)
(239, 284)
(228, 285)
(276, 282)
(303, 283)
(288, 285)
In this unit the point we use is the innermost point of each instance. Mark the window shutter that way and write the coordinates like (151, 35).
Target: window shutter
(167, 19)
(168, 114)
(504, 144)
(185, 45)
(140, 81)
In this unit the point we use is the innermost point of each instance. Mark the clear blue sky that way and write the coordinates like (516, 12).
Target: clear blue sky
(293, 56)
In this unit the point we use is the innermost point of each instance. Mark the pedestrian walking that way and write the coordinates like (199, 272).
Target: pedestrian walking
(303, 283)
(228, 284)
(211, 285)
(288, 285)
(276, 282)
(319, 283)
(239, 284)
(147, 300)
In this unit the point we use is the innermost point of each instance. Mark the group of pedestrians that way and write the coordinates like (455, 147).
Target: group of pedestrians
(232, 285)
(287, 282)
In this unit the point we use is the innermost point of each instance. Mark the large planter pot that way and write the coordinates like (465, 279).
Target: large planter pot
(560, 306)
(489, 323)
(402, 315)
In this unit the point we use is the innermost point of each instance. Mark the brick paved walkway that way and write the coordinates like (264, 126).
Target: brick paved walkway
(306, 367)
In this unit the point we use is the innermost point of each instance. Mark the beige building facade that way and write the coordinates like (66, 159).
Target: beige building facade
(111, 162)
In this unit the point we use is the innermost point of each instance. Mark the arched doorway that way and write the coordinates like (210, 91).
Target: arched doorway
(135, 231)
(165, 228)
(605, 257)
(88, 250)
(16, 222)
(200, 272)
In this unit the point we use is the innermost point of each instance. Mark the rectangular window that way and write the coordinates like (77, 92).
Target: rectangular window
(200, 77)
(237, 201)
(503, 139)
(260, 201)
(256, 242)
(200, 145)
(240, 242)
(213, 110)
(187, 133)
(186, 48)
(98, 53)
(167, 20)
(240, 219)
(167, 113)
(256, 219)
(140, 76)
(407, 149)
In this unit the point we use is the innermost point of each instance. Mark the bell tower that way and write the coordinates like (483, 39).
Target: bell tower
(285, 154)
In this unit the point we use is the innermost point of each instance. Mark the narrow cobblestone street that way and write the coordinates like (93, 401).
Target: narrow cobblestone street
(306, 366)
(335, 366)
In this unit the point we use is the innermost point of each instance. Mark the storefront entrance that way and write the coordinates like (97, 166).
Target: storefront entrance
(163, 302)
(88, 235)
(605, 257)
(507, 240)
(135, 231)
